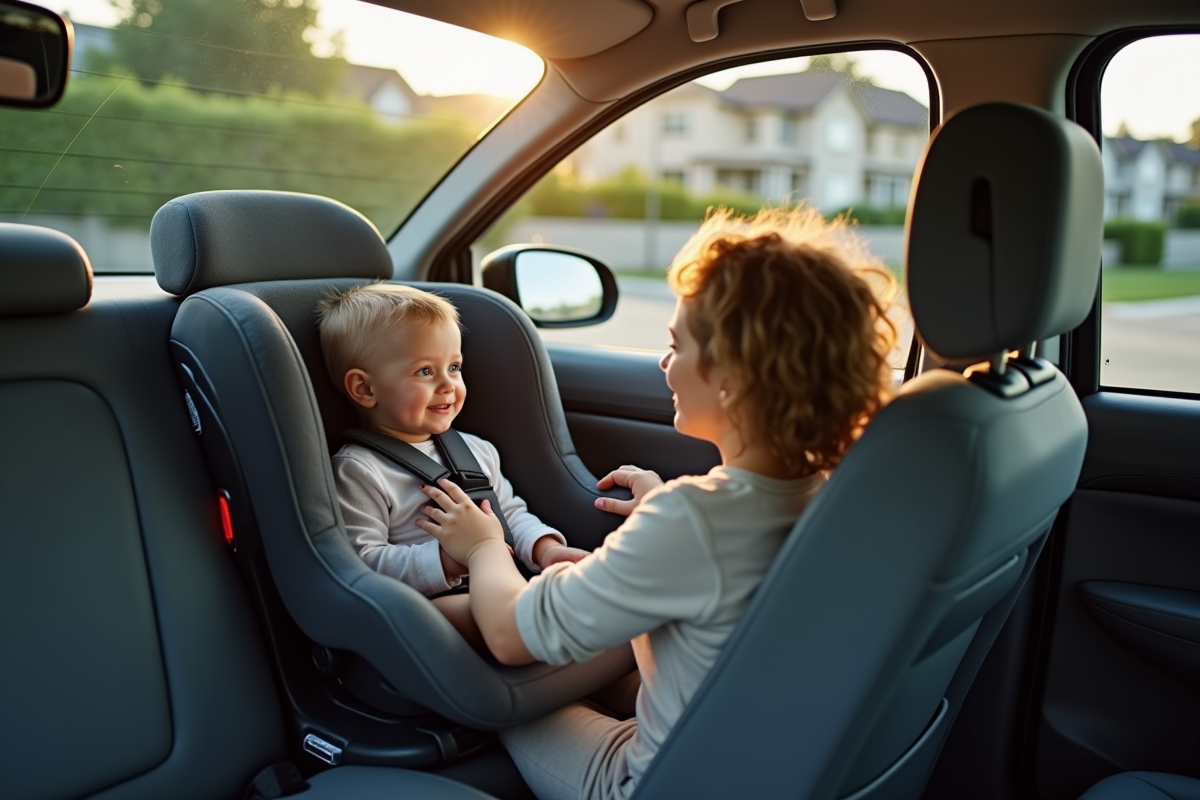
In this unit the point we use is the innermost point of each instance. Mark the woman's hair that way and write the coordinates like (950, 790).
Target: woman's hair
(784, 303)
(352, 323)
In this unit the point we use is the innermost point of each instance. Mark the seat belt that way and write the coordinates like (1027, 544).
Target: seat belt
(461, 467)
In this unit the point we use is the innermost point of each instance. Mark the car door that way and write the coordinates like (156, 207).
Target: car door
(1117, 671)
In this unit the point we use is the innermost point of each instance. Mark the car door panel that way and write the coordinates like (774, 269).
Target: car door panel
(619, 411)
(1122, 676)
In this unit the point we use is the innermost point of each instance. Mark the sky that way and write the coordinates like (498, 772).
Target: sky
(1150, 85)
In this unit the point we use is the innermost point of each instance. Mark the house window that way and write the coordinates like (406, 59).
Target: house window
(674, 176)
(740, 180)
(839, 135)
(751, 129)
(899, 147)
(799, 185)
(787, 131)
(675, 123)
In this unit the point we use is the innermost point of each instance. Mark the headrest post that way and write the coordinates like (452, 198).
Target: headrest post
(998, 363)
(1028, 351)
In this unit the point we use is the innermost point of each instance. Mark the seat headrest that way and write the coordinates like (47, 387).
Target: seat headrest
(1005, 232)
(42, 271)
(218, 238)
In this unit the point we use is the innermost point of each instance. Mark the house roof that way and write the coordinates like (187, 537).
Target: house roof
(802, 91)
(1127, 148)
(1183, 154)
(366, 81)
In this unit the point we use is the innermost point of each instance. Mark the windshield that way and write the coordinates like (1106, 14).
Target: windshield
(350, 100)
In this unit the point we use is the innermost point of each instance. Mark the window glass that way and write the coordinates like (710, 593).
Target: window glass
(1150, 314)
(758, 136)
(351, 100)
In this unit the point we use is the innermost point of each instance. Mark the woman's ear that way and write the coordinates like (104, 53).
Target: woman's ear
(358, 385)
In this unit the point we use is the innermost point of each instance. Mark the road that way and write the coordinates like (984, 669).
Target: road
(1153, 344)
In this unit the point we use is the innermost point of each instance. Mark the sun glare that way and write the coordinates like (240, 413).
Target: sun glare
(433, 57)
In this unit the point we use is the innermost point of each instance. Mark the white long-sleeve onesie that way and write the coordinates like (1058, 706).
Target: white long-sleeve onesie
(381, 502)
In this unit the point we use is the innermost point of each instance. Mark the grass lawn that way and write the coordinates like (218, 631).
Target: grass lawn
(1121, 284)
(1147, 283)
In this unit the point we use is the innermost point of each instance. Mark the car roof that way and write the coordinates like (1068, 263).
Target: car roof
(607, 49)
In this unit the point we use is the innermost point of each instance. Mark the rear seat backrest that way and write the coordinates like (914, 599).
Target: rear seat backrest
(132, 666)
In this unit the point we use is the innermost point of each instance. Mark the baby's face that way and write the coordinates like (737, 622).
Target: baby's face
(416, 381)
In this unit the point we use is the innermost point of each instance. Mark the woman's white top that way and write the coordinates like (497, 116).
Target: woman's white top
(675, 579)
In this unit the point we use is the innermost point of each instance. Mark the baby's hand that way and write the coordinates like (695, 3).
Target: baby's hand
(638, 480)
(457, 523)
(558, 553)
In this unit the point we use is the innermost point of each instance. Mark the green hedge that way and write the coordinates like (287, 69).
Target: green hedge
(1188, 216)
(117, 149)
(874, 215)
(624, 197)
(1141, 242)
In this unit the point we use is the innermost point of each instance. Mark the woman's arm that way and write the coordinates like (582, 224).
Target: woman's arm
(473, 536)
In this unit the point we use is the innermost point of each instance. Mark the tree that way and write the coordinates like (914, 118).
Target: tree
(1194, 142)
(254, 46)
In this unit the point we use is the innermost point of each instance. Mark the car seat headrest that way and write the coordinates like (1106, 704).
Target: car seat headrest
(1005, 232)
(217, 238)
(42, 271)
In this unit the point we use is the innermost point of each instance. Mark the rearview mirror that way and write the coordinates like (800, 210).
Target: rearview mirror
(35, 55)
(556, 286)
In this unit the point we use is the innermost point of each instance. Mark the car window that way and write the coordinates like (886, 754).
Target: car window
(351, 100)
(843, 132)
(1150, 312)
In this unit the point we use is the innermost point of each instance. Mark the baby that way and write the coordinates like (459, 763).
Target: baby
(396, 351)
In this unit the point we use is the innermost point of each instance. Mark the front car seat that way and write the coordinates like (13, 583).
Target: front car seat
(855, 656)
(249, 359)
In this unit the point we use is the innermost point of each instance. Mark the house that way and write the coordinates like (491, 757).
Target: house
(1149, 180)
(815, 134)
(381, 88)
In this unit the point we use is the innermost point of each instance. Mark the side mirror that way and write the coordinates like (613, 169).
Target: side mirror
(556, 286)
(35, 55)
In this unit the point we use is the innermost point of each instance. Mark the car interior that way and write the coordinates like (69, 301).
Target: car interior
(995, 596)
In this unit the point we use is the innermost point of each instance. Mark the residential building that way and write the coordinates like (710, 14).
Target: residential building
(814, 135)
(1149, 180)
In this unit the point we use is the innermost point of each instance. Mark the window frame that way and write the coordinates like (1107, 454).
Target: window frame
(453, 263)
(1080, 347)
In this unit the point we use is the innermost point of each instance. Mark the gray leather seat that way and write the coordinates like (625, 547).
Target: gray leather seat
(851, 663)
(251, 358)
(1144, 786)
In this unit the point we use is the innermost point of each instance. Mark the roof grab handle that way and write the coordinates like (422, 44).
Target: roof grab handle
(816, 10)
(702, 19)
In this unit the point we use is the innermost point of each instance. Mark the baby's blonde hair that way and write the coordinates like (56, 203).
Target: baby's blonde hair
(352, 323)
(783, 301)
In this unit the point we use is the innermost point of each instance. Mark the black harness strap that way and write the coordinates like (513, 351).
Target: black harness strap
(461, 467)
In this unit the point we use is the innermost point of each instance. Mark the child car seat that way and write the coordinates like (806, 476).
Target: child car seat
(254, 380)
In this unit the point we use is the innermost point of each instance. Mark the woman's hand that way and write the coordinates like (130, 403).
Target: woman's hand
(457, 523)
(638, 480)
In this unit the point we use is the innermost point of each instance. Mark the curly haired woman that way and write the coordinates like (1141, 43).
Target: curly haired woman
(779, 358)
